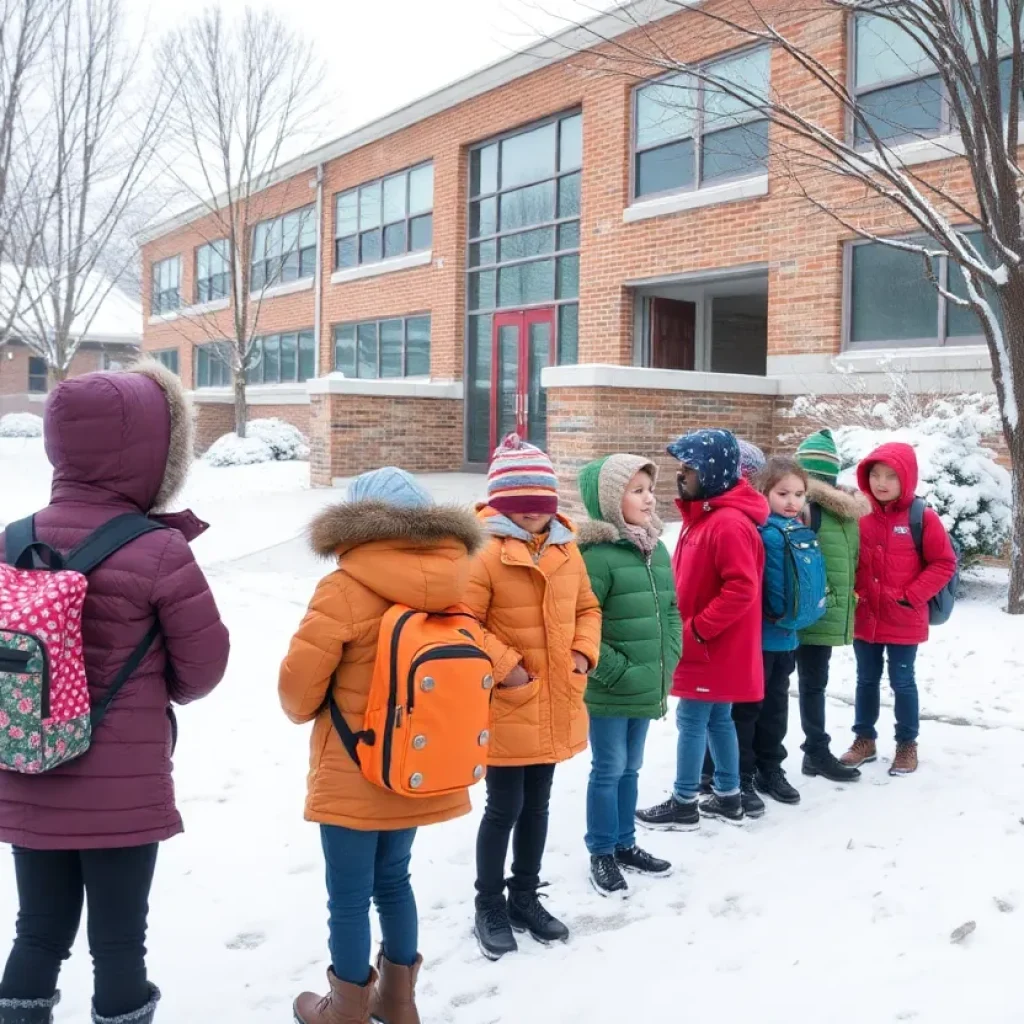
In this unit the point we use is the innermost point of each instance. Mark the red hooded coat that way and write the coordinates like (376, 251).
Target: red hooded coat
(894, 584)
(718, 565)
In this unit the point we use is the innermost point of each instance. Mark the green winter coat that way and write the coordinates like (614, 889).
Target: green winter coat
(839, 536)
(641, 634)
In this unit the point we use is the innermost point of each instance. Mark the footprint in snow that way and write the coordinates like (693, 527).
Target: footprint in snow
(247, 940)
(468, 998)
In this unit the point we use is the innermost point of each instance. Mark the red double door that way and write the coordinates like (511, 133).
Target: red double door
(522, 344)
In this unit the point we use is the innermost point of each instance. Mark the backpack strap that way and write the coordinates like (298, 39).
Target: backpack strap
(100, 708)
(110, 537)
(350, 740)
(24, 551)
(917, 509)
(815, 517)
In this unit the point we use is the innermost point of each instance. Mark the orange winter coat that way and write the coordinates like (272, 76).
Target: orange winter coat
(538, 613)
(386, 555)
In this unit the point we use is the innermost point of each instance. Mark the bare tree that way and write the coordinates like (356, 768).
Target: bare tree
(247, 90)
(839, 157)
(103, 124)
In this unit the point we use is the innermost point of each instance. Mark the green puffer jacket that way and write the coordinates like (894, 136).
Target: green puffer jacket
(641, 634)
(839, 535)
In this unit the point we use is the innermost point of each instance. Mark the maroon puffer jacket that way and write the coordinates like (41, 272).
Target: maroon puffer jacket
(122, 442)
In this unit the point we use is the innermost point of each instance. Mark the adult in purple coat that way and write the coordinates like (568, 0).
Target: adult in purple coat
(119, 443)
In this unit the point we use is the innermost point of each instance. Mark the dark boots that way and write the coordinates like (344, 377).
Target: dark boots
(492, 929)
(774, 783)
(28, 1011)
(344, 1003)
(753, 805)
(526, 913)
(726, 808)
(144, 1015)
(828, 766)
(394, 998)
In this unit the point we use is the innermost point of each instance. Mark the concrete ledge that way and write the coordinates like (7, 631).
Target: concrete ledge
(731, 192)
(391, 387)
(202, 308)
(164, 318)
(256, 394)
(303, 285)
(389, 266)
(643, 378)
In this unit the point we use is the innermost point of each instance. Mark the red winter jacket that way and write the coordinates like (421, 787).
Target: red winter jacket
(718, 565)
(894, 584)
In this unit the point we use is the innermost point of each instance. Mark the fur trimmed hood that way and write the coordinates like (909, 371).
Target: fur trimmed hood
(594, 531)
(339, 528)
(843, 503)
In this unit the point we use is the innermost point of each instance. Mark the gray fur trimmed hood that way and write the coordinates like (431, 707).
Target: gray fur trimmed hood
(843, 503)
(595, 531)
(352, 523)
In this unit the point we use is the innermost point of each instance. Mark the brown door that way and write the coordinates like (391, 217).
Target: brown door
(673, 330)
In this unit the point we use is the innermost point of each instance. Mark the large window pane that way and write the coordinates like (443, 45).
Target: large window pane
(307, 355)
(747, 76)
(272, 359)
(570, 144)
(369, 206)
(483, 218)
(417, 351)
(891, 300)
(254, 371)
(735, 152)
(568, 277)
(666, 110)
(421, 189)
(289, 357)
(369, 246)
(346, 252)
(483, 253)
(479, 398)
(569, 235)
(345, 349)
(961, 322)
(391, 342)
(904, 110)
(527, 243)
(885, 52)
(569, 196)
(421, 232)
(482, 287)
(526, 206)
(664, 169)
(394, 198)
(367, 350)
(568, 334)
(394, 239)
(483, 170)
(525, 284)
(528, 156)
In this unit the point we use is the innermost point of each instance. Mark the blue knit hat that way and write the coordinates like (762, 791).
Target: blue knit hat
(714, 454)
(391, 485)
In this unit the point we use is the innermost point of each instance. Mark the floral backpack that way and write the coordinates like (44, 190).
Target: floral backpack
(46, 717)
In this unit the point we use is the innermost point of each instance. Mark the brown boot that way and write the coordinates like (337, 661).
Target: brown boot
(862, 751)
(344, 1004)
(394, 998)
(905, 761)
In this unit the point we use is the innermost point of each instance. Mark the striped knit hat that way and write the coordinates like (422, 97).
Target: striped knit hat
(752, 459)
(521, 479)
(820, 456)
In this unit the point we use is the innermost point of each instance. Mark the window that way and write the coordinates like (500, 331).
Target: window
(899, 91)
(37, 376)
(283, 358)
(112, 364)
(213, 365)
(167, 357)
(689, 133)
(284, 249)
(396, 347)
(166, 286)
(384, 218)
(212, 271)
(893, 303)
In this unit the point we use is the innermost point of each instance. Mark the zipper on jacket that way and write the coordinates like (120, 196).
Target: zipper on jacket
(44, 697)
(648, 559)
(448, 653)
(394, 712)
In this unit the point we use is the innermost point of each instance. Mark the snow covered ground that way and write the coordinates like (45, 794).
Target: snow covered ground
(839, 909)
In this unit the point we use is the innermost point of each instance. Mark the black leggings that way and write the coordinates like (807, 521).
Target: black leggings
(52, 886)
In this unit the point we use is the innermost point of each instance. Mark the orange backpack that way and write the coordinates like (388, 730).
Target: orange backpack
(425, 731)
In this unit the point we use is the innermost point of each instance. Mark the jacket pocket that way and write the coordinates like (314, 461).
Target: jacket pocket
(509, 699)
(695, 652)
(901, 616)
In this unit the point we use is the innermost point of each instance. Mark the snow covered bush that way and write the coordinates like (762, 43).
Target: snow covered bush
(958, 474)
(21, 424)
(284, 440)
(265, 441)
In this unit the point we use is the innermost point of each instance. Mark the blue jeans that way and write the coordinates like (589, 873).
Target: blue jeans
(701, 724)
(870, 658)
(361, 865)
(617, 752)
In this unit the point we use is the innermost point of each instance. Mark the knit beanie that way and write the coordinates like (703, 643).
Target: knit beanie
(820, 456)
(752, 459)
(391, 485)
(521, 479)
(715, 455)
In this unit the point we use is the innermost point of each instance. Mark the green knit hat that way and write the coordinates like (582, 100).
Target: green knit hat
(820, 457)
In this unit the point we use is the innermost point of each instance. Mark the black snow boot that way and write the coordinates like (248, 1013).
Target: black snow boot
(705, 785)
(606, 877)
(753, 805)
(828, 766)
(728, 808)
(144, 1015)
(642, 862)
(526, 913)
(28, 1011)
(492, 929)
(671, 816)
(774, 783)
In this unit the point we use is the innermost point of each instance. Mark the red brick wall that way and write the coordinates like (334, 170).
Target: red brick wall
(350, 434)
(214, 419)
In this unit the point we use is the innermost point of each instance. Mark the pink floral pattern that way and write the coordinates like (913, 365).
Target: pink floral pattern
(41, 616)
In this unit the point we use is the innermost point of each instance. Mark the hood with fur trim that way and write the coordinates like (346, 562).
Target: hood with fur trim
(603, 484)
(842, 502)
(125, 434)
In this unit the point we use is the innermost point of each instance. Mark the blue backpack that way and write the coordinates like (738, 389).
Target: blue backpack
(940, 607)
(805, 582)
